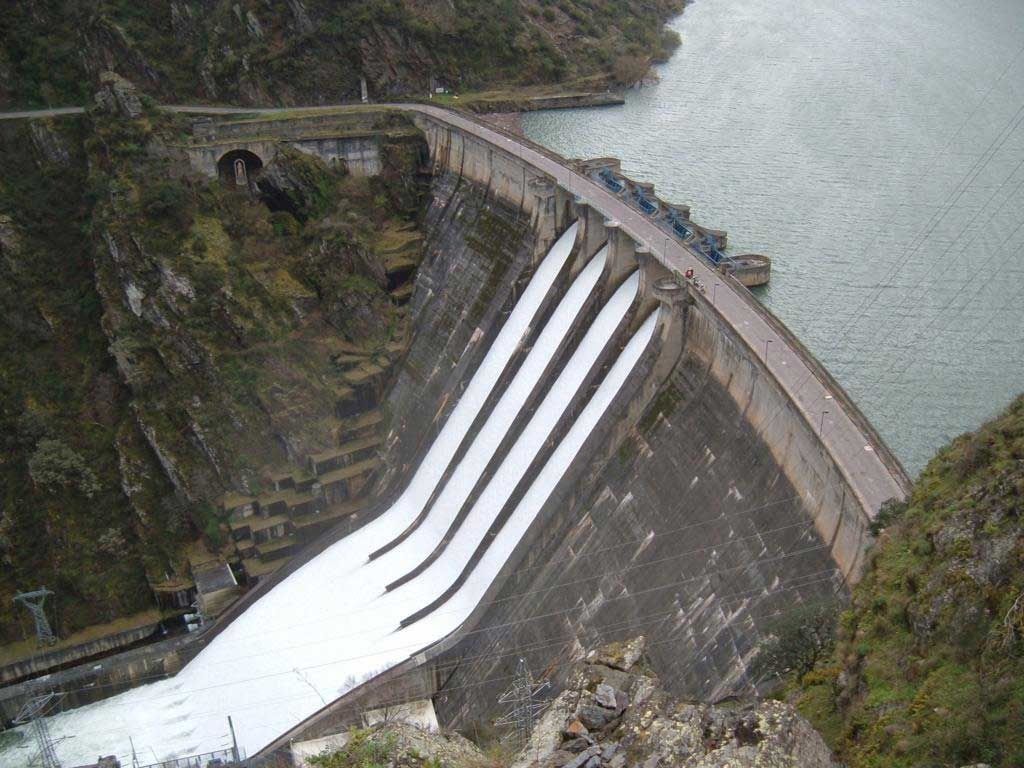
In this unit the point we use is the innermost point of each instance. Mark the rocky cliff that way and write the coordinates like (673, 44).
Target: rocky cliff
(928, 669)
(167, 339)
(317, 51)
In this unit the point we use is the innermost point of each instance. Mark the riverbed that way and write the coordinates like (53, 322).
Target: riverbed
(875, 150)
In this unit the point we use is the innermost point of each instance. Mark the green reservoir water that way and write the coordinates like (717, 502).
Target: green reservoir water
(875, 150)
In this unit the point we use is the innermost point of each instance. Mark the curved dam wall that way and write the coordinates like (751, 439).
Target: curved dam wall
(682, 526)
(699, 504)
(700, 522)
(705, 510)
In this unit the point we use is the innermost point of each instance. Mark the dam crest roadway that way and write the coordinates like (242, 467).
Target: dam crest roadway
(612, 312)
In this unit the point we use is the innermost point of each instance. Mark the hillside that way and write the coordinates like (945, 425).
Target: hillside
(929, 665)
(316, 51)
(166, 337)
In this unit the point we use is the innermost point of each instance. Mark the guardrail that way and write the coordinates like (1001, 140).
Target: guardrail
(218, 759)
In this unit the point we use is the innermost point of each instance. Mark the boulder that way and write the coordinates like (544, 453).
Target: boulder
(619, 655)
(650, 729)
(118, 96)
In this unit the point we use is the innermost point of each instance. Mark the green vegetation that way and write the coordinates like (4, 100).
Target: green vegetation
(316, 51)
(798, 640)
(399, 745)
(64, 417)
(364, 749)
(164, 338)
(928, 669)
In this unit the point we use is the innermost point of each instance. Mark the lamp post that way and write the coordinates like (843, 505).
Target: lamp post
(821, 424)
(766, 343)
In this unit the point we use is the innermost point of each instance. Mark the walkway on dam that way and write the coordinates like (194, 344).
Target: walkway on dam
(855, 451)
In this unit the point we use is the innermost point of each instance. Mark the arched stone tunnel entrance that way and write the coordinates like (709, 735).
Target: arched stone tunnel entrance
(238, 167)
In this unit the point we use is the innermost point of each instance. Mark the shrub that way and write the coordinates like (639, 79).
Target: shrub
(629, 69)
(891, 511)
(796, 641)
(165, 200)
(364, 749)
(54, 466)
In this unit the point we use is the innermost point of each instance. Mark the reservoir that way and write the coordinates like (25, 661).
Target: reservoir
(875, 150)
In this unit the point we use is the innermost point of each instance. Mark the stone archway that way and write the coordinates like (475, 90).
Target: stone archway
(239, 167)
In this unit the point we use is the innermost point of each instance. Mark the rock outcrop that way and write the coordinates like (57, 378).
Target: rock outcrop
(118, 96)
(300, 52)
(614, 714)
(929, 660)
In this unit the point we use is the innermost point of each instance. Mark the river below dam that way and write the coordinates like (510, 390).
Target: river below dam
(874, 149)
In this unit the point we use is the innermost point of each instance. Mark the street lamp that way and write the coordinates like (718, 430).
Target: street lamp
(714, 290)
(766, 343)
(821, 424)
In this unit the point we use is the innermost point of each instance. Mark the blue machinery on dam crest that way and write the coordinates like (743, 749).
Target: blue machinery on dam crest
(624, 455)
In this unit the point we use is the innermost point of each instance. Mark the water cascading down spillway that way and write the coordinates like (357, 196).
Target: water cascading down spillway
(415, 573)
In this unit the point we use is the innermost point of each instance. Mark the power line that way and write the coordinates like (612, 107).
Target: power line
(548, 642)
(646, 564)
(545, 590)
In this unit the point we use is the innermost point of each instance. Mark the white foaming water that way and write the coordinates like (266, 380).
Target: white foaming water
(827, 134)
(423, 540)
(444, 571)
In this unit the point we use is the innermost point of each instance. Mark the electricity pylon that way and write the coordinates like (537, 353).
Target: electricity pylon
(34, 602)
(522, 696)
(34, 712)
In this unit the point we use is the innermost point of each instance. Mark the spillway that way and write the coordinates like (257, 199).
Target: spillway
(333, 623)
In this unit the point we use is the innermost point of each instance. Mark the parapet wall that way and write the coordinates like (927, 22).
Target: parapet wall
(503, 175)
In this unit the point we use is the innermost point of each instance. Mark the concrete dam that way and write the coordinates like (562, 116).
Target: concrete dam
(583, 444)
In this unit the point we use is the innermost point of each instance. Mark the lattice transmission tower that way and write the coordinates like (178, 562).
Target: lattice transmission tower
(35, 712)
(522, 696)
(34, 602)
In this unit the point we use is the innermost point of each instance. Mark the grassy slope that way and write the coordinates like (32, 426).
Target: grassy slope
(315, 51)
(929, 667)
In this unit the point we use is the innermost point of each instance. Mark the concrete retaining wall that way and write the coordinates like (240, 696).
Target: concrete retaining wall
(87, 683)
(43, 662)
